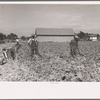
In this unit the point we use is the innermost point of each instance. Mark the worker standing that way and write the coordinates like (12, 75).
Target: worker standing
(33, 44)
(74, 49)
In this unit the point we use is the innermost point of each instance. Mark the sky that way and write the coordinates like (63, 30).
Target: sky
(22, 19)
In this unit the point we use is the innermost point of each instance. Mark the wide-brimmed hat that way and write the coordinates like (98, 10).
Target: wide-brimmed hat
(33, 36)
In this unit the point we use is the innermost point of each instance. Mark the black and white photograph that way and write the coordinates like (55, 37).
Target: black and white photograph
(49, 43)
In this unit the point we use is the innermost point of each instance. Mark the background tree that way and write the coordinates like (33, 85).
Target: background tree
(23, 37)
(2, 36)
(98, 36)
(12, 36)
(81, 35)
(86, 36)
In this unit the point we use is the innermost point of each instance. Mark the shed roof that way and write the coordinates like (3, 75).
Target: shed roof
(93, 35)
(54, 31)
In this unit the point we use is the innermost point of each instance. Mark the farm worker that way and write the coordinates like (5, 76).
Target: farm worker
(12, 53)
(17, 41)
(74, 46)
(4, 50)
(9, 52)
(3, 59)
(33, 43)
(17, 45)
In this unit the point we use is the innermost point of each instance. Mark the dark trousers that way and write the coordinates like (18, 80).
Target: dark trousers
(17, 47)
(11, 53)
(74, 51)
(35, 51)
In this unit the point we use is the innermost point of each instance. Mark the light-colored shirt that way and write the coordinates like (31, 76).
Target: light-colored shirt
(5, 54)
(29, 41)
(17, 40)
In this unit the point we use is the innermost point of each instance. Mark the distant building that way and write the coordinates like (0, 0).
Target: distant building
(54, 34)
(93, 37)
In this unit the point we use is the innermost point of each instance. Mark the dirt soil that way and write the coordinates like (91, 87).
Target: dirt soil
(55, 64)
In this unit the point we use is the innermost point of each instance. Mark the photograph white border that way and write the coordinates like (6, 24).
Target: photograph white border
(50, 90)
(51, 2)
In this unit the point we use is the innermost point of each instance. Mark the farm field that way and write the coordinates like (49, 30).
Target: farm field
(55, 64)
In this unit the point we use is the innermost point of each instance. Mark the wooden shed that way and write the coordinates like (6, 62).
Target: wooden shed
(54, 34)
(93, 37)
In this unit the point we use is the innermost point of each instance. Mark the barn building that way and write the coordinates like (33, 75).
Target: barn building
(54, 34)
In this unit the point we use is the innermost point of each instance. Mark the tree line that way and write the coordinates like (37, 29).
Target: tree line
(86, 36)
(11, 37)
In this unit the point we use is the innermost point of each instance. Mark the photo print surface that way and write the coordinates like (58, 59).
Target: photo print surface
(49, 43)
